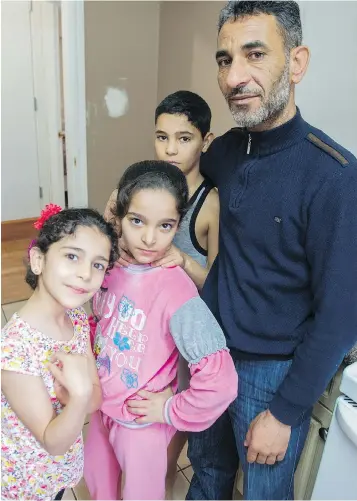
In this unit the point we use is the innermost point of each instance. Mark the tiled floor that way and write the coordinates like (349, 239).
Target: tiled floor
(80, 492)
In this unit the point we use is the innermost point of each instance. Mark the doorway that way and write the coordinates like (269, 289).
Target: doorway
(43, 123)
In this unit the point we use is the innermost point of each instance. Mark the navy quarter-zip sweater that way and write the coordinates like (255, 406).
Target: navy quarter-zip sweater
(284, 283)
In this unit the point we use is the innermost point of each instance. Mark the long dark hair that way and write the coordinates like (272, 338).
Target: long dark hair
(151, 174)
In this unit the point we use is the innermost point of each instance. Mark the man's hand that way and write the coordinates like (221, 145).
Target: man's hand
(173, 257)
(267, 439)
(151, 408)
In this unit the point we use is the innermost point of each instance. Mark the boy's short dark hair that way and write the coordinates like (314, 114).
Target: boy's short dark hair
(193, 106)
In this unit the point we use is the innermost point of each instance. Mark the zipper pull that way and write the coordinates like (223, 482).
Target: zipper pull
(249, 144)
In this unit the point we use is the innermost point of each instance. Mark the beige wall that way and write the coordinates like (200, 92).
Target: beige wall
(121, 51)
(150, 49)
(188, 37)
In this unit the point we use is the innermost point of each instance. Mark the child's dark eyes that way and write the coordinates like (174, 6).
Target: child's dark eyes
(183, 139)
(166, 226)
(72, 257)
(99, 266)
(136, 221)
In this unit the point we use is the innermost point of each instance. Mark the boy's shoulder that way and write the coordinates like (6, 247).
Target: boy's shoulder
(210, 207)
(212, 199)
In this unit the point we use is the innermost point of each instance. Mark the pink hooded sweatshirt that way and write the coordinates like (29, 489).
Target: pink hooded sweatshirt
(146, 316)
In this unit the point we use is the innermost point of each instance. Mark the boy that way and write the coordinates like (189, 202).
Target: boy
(183, 121)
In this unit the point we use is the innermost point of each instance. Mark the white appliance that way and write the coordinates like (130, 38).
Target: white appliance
(337, 475)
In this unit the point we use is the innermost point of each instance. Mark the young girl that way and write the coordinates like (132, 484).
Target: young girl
(182, 134)
(46, 359)
(147, 315)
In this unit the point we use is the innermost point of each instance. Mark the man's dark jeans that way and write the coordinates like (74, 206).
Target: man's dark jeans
(215, 453)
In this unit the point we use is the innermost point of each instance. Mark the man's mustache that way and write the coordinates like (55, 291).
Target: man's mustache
(241, 90)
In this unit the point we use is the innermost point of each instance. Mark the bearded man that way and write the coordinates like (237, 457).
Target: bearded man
(284, 284)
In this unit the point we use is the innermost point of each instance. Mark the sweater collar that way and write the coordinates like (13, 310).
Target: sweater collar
(273, 140)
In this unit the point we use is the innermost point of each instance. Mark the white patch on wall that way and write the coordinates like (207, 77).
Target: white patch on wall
(117, 102)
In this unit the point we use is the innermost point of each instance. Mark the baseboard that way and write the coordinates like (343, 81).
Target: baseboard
(18, 229)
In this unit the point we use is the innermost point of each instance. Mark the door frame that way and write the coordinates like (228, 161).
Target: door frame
(47, 100)
(73, 57)
(46, 55)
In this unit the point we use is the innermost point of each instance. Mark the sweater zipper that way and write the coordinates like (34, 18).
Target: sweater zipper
(249, 143)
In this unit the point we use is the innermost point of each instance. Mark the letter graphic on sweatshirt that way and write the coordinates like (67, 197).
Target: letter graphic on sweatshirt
(124, 341)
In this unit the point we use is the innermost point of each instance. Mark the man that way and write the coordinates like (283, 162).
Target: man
(284, 284)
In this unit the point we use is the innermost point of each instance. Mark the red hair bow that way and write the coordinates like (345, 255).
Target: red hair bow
(47, 212)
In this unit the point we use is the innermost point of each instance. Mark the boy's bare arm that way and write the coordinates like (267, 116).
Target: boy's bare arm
(175, 257)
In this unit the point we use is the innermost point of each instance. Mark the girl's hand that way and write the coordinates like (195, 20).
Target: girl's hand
(151, 409)
(173, 257)
(73, 375)
(61, 393)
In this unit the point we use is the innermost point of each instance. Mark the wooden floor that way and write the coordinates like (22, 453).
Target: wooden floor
(15, 239)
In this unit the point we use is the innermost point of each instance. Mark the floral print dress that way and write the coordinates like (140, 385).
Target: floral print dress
(28, 471)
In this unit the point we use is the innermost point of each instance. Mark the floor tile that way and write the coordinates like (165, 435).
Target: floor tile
(179, 490)
(180, 487)
(81, 491)
(188, 472)
(10, 309)
(68, 495)
(3, 319)
(183, 459)
(237, 496)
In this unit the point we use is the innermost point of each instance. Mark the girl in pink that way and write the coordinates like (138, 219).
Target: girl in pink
(49, 380)
(146, 316)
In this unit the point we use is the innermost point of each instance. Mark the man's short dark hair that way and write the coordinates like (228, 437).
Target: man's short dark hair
(287, 14)
(193, 106)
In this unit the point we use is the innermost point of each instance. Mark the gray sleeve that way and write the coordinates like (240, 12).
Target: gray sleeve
(195, 331)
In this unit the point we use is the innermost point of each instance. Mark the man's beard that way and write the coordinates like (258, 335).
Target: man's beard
(269, 109)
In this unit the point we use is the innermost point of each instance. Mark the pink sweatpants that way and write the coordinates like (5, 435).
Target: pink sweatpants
(141, 454)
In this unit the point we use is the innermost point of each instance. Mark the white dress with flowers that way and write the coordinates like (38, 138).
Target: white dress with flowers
(28, 470)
